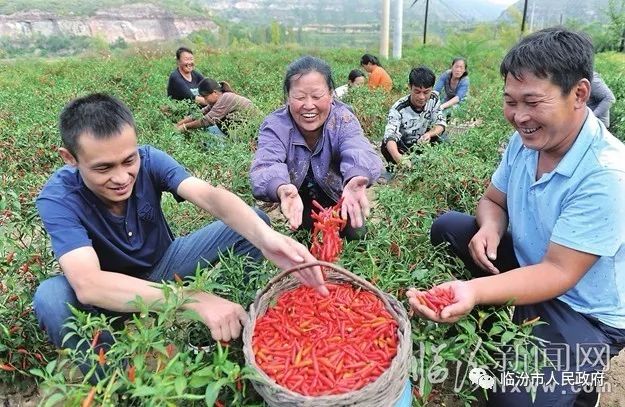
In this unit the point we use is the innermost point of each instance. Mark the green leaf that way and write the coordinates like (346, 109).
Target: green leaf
(50, 367)
(467, 325)
(144, 391)
(419, 274)
(55, 400)
(505, 338)
(495, 330)
(197, 382)
(212, 391)
(180, 384)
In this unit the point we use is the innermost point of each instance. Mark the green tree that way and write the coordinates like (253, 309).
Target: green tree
(616, 12)
(275, 33)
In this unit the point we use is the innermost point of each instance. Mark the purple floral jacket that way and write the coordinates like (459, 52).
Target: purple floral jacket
(283, 157)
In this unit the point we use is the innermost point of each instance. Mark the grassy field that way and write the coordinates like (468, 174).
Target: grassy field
(449, 176)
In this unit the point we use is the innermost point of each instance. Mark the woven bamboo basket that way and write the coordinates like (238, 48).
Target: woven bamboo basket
(386, 390)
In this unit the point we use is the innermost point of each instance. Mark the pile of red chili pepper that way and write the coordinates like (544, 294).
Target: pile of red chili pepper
(327, 245)
(437, 298)
(316, 345)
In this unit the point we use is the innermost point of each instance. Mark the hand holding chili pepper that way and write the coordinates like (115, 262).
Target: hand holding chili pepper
(291, 205)
(458, 302)
(286, 253)
(355, 201)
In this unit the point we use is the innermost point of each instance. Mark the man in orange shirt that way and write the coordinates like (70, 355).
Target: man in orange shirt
(378, 77)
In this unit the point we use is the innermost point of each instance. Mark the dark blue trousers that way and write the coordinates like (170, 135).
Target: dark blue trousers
(578, 345)
(204, 246)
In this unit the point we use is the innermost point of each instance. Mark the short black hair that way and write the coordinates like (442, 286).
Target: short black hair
(355, 73)
(422, 77)
(180, 50)
(368, 58)
(98, 114)
(558, 54)
(305, 65)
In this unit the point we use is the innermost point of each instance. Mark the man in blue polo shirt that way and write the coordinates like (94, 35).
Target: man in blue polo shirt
(103, 214)
(549, 232)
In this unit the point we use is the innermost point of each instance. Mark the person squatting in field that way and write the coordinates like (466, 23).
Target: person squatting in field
(224, 107)
(601, 99)
(313, 148)
(355, 78)
(549, 231)
(103, 213)
(453, 84)
(378, 77)
(184, 80)
(415, 118)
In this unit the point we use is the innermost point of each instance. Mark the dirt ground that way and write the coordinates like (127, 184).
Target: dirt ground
(616, 379)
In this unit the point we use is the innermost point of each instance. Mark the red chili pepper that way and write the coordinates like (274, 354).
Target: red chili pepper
(131, 373)
(315, 345)
(94, 341)
(437, 298)
(171, 350)
(89, 399)
(326, 242)
(239, 383)
(102, 357)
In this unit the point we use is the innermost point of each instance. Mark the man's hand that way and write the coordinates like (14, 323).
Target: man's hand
(464, 301)
(286, 253)
(222, 317)
(181, 128)
(200, 100)
(425, 138)
(355, 201)
(291, 205)
(405, 162)
(483, 249)
(184, 120)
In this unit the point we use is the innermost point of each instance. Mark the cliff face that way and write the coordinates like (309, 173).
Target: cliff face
(133, 23)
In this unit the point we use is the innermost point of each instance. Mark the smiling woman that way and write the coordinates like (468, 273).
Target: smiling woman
(313, 148)
(184, 80)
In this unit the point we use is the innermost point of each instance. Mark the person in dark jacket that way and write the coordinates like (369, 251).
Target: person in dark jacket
(184, 80)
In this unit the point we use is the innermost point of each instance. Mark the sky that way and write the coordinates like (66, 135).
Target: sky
(502, 2)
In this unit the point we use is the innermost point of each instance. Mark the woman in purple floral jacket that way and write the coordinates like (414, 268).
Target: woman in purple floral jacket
(313, 148)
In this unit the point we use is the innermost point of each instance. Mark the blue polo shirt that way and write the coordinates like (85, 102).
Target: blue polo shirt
(579, 205)
(132, 244)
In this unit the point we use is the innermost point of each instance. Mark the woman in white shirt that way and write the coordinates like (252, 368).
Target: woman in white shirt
(355, 78)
